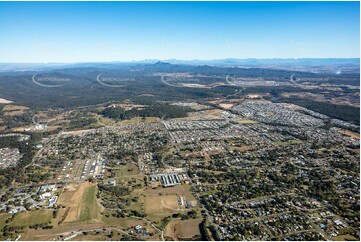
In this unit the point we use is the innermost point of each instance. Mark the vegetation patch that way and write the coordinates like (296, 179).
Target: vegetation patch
(155, 110)
(89, 206)
(34, 217)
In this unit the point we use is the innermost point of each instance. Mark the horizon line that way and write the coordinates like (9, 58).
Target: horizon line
(190, 60)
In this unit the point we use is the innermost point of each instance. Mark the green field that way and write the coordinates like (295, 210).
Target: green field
(3, 218)
(32, 217)
(89, 206)
(126, 170)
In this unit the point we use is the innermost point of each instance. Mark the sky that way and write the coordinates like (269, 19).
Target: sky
(38, 32)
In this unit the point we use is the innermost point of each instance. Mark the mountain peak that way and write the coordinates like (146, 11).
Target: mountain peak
(161, 63)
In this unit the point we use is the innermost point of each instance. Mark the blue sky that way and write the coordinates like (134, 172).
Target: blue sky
(123, 31)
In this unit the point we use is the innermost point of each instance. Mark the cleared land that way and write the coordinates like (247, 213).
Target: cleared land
(346, 237)
(125, 223)
(161, 204)
(4, 101)
(183, 229)
(81, 202)
(89, 206)
(246, 121)
(32, 217)
(9, 108)
(165, 200)
(129, 173)
(242, 148)
(350, 133)
(181, 190)
(3, 218)
(13, 110)
(226, 105)
(127, 170)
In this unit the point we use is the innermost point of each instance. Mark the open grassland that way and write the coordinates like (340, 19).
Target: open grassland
(81, 201)
(127, 170)
(246, 121)
(13, 110)
(346, 237)
(138, 120)
(129, 175)
(182, 229)
(89, 207)
(9, 108)
(81, 212)
(25, 219)
(3, 218)
(161, 204)
(50, 234)
(66, 228)
(205, 114)
(124, 223)
(180, 191)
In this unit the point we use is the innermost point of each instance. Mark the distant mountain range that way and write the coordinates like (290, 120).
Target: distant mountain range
(316, 65)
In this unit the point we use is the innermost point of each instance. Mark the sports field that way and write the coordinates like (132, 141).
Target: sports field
(161, 204)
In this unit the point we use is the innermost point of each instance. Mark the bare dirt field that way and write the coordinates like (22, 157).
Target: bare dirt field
(226, 105)
(242, 148)
(182, 229)
(350, 133)
(14, 108)
(4, 101)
